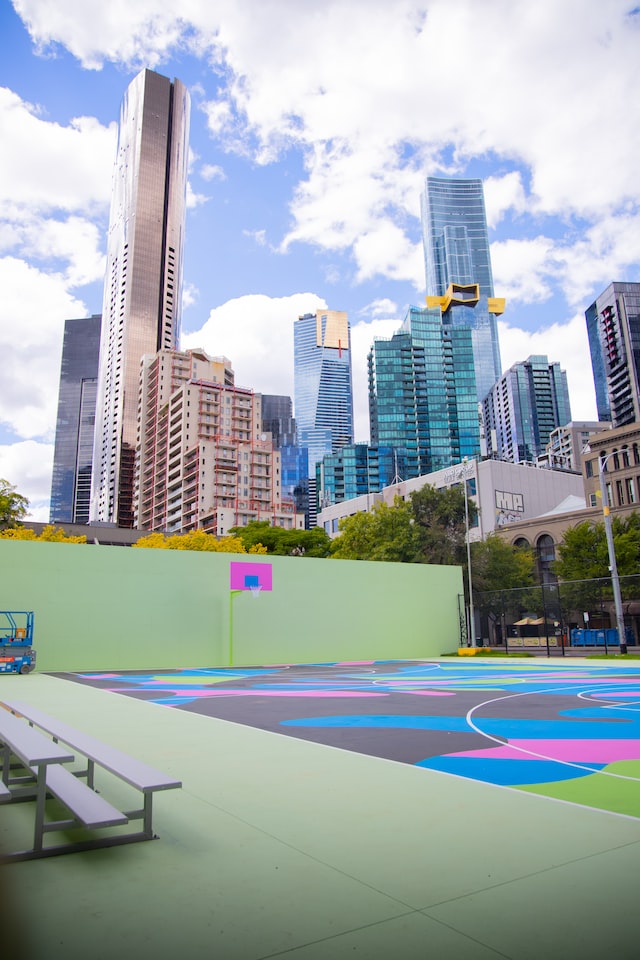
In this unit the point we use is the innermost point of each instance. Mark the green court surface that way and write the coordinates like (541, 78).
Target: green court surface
(283, 847)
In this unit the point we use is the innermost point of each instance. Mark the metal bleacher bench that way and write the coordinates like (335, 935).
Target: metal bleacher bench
(44, 774)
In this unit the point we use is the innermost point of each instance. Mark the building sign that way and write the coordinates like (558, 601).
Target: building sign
(509, 507)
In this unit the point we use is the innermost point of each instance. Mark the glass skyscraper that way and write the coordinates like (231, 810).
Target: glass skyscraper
(73, 452)
(422, 393)
(458, 268)
(613, 326)
(143, 281)
(323, 393)
(322, 382)
(523, 408)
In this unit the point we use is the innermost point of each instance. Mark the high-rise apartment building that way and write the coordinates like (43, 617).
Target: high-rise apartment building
(523, 409)
(323, 390)
(613, 327)
(143, 281)
(422, 393)
(203, 459)
(458, 268)
(73, 452)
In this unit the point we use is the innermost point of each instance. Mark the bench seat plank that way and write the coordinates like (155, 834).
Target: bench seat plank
(90, 808)
(29, 745)
(132, 771)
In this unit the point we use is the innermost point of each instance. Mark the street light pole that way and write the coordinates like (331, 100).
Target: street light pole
(472, 627)
(613, 566)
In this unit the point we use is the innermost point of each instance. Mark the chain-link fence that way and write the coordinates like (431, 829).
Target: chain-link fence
(557, 616)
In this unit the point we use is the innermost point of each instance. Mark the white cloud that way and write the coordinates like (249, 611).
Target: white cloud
(212, 171)
(51, 167)
(256, 334)
(27, 466)
(383, 93)
(563, 343)
(36, 305)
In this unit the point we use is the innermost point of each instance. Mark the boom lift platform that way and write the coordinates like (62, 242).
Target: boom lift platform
(16, 636)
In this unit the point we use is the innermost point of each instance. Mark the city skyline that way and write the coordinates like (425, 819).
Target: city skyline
(305, 177)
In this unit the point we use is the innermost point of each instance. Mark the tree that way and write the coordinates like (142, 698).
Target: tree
(49, 534)
(583, 556)
(13, 506)
(440, 519)
(195, 540)
(384, 533)
(502, 577)
(428, 528)
(283, 543)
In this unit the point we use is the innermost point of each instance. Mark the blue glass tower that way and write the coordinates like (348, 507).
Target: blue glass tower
(322, 383)
(73, 452)
(524, 407)
(458, 268)
(422, 393)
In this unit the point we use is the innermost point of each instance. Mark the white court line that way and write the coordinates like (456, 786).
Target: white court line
(532, 753)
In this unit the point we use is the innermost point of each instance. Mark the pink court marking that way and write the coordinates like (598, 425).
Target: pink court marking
(430, 693)
(567, 751)
(190, 692)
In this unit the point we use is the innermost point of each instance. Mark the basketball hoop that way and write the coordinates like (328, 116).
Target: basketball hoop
(255, 591)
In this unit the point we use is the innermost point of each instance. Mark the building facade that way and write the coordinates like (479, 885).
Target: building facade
(143, 281)
(203, 460)
(568, 443)
(422, 393)
(458, 268)
(504, 494)
(73, 451)
(613, 327)
(357, 470)
(523, 408)
(323, 392)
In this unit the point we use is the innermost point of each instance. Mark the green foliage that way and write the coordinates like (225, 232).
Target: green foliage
(13, 506)
(280, 542)
(498, 566)
(49, 534)
(427, 528)
(196, 540)
(385, 533)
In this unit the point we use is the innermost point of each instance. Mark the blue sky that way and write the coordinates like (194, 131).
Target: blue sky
(313, 126)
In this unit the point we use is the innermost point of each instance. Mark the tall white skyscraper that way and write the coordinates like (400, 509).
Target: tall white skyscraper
(143, 281)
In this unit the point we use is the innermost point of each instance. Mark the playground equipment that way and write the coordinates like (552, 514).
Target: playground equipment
(16, 636)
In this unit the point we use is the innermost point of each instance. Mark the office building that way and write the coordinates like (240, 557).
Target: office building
(422, 393)
(143, 281)
(279, 423)
(73, 451)
(203, 460)
(323, 391)
(458, 268)
(613, 327)
(357, 470)
(503, 492)
(523, 409)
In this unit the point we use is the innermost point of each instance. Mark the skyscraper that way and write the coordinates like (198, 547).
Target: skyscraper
(613, 327)
(323, 392)
(523, 408)
(422, 393)
(458, 268)
(73, 452)
(143, 281)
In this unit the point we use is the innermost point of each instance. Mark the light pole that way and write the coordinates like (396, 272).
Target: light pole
(613, 566)
(472, 627)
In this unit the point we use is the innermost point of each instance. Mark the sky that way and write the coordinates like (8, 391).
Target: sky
(313, 127)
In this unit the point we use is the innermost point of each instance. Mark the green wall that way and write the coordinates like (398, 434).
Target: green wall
(102, 608)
